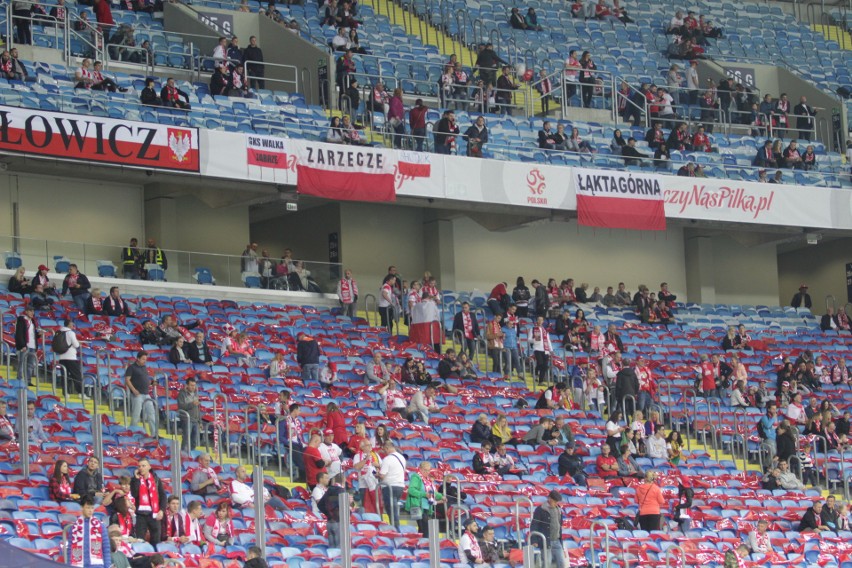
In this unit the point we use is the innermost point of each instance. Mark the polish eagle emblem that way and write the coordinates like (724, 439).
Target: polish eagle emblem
(180, 143)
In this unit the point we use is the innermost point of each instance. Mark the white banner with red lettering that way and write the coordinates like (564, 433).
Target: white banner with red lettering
(521, 184)
(619, 200)
(760, 203)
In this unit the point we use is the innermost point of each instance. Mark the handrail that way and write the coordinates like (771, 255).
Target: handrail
(545, 554)
(249, 77)
(594, 558)
(227, 426)
(23, 432)
(518, 500)
(156, 433)
(624, 406)
(59, 369)
(675, 548)
(374, 311)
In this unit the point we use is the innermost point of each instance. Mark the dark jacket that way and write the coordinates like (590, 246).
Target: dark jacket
(307, 352)
(617, 338)
(458, 323)
(174, 356)
(199, 355)
(540, 301)
(480, 432)
(88, 484)
(150, 337)
(810, 520)
(81, 280)
(571, 465)
(253, 54)
(218, 84)
(445, 368)
(149, 96)
(329, 505)
(161, 492)
(21, 333)
(785, 447)
(255, 562)
(626, 383)
(801, 300)
(541, 522)
(111, 307)
(18, 287)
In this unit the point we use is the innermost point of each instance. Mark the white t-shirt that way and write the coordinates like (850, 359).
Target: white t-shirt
(73, 345)
(331, 455)
(316, 495)
(796, 414)
(667, 101)
(657, 448)
(392, 470)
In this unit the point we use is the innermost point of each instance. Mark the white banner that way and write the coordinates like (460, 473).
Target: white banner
(525, 184)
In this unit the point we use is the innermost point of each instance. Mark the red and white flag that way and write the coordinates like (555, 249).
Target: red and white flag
(425, 325)
(266, 151)
(619, 200)
(347, 173)
(414, 164)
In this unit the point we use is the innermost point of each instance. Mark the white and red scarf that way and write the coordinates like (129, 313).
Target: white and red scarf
(217, 528)
(348, 290)
(467, 323)
(78, 535)
(294, 429)
(149, 497)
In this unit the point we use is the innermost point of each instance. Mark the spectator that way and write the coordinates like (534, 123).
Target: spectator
(307, 356)
(89, 543)
(539, 435)
(205, 480)
(367, 463)
(602, 12)
(313, 461)
(617, 143)
(219, 82)
(650, 499)
(392, 477)
(576, 144)
(606, 464)
(237, 84)
(811, 521)
(481, 430)
(417, 122)
(68, 358)
(588, 75)
(422, 404)
(505, 86)
(632, 156)
(396, 117)
(547, 521)
(627, 466)
(465, 323)
(173, 97)
(423, 495)
(242, 492)
(150, 498)
(60, 484)
(516, 20)
(218, 528)
(572, 464)
(138, 382)
(78, 285)
(546, 139)
(468, 544)
(334, 135)
(477, 136)
(531, 20)
(674, 447)
(27, 334)
(188, 402)
(540, 345)
(802, 299)
(252, 58)
(103, 15)
(656, 445)
(445, 133)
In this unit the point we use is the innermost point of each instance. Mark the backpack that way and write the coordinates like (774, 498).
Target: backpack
(760, 431)
(60, 344)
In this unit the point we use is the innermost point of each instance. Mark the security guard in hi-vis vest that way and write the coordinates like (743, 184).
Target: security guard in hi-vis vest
(131, 260)
(154, 255)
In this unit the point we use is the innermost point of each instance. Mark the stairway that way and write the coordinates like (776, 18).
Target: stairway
(834, 33)
(447, 45)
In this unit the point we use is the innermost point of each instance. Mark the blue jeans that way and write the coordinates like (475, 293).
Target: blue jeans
(190, 434)
(333, 534)
(644, 401)
(310, 372)
(80, 300)
(557, 555)
(391, 494)
(144, 412)
(27, 365)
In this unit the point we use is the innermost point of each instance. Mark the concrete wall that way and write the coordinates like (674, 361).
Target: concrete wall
(560, 250)
(372, 237)
(279, 46)
(745, 275)
(822, 267)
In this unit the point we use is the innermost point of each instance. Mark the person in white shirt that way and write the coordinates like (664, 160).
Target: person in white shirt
(392, 478)
(242, 492)
(69, 360)
(367, 462)
(758, 539)
(340, 42)
(220, 52)
(318, 491)
(796, 411)
(469, 545)
(656, 446)
(422, 404)
(330, 453)
(539, 342)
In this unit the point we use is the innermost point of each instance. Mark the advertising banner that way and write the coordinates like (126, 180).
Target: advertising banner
(96, 139)
(619, 200)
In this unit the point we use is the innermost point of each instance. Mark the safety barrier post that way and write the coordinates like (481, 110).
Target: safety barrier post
(227, 426)
(23, 432)
(346, 530)
(374, 311)
(594, 558)
(434, 544)
(545, 554)
(177, 468)
(98, 436)
(259, 507)
(675, 548)
(518, 501)
(628, 418)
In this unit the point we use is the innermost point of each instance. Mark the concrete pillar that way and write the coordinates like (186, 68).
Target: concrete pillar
(160, 218)
(700, 276)
(439, 251)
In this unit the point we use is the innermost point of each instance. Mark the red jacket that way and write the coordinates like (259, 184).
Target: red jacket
(417, 117)
(312, 456)
(337, 421)
(103, 13)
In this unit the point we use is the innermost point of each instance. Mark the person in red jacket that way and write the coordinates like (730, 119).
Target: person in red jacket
(499, 299)
(606, 464)
(314, 464)
(335, 421)
(700, 141)
(103, 14)
(707, 374)
(417, 121)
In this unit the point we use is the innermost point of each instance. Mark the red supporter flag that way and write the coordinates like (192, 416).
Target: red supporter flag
(414, 164)
(347, 173)
(266, 151)
(619, 200)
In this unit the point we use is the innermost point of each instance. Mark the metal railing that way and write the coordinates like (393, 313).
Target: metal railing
(519, 500)
(606, 549)
(294, 82)
(182, 265)
(23, 432)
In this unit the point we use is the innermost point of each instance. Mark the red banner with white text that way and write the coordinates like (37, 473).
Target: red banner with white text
(619, 200)
(347, 173)
(97, 139)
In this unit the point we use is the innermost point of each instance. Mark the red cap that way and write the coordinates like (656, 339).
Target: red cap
(802, 285)
(328, 432)
(42, 267)
(785, 384)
